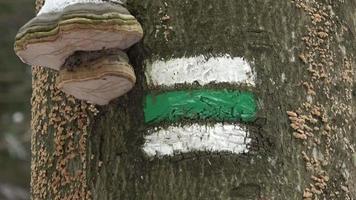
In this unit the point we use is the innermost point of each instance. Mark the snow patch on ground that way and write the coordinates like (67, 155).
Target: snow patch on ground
(224, 69)
(217, 138)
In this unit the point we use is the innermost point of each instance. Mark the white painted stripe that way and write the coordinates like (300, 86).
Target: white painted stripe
(216, 138)
(58, 5)
(224, 69)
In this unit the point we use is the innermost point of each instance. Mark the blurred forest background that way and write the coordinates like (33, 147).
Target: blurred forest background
(15, 94)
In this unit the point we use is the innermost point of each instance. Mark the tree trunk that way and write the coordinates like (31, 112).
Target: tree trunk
(303, 53)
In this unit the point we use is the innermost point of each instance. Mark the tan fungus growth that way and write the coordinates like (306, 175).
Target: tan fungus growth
(60, 130)
(164, 26)
(320, 61)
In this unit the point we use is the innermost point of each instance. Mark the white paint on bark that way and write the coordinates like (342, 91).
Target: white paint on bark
(52, 6)
(223, 69)
(217, 138)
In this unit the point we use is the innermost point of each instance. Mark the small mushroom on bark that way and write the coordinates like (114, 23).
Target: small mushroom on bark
(63, 27)
(97, 77)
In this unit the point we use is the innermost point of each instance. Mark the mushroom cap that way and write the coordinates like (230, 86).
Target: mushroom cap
(48, 39)
(98, 81)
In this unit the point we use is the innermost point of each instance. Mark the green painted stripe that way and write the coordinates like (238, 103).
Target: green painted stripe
(219, 105)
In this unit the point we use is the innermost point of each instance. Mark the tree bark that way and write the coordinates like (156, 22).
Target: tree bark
(303, 53)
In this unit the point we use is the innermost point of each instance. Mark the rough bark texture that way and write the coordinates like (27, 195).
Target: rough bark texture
(304, 56)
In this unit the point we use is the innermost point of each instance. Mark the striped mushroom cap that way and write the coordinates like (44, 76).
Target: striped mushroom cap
(63, 27)
(97, 77)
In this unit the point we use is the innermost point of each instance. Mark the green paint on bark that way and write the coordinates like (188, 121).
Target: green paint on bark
(219, 105)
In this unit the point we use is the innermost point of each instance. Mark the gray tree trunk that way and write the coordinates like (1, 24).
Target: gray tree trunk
(304, 56)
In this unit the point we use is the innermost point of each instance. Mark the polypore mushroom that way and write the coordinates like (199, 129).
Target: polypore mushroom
(97, 77)
(63, 27)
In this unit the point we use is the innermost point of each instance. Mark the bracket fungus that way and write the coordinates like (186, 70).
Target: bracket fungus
(97, 77)
(83, 39)
(63, 27)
